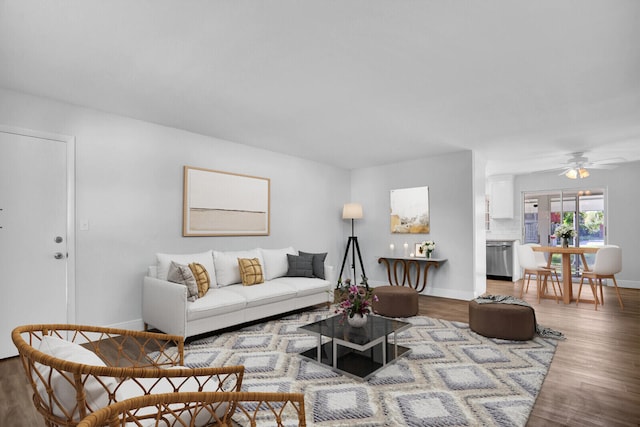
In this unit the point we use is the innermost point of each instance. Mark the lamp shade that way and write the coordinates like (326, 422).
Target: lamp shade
(352, 211)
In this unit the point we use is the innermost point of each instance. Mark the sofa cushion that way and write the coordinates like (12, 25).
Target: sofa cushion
(300, 266)
(216, 301)
(275, 262)
(183, 275)
(163, 261)
(250, 271)
(202, 278)
(264, 293)
(317, 263)
(304, 285)
(226, 265)
(96, 394)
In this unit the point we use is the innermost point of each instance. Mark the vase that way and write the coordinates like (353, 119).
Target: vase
(357, 321)
(565, 242)
(429, 254)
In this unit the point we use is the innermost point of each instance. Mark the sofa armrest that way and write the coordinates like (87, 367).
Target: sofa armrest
(329, 273)
(164, 306)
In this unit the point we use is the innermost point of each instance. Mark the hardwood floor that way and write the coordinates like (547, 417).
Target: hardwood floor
(594, 379)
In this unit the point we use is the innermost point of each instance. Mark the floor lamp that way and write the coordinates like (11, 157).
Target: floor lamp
(352, 211)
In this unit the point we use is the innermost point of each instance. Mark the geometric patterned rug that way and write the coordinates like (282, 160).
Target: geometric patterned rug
(452, 376)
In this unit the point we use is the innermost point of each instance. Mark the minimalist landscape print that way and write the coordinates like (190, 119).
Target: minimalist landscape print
(410, 210)
(452, 376)
(224, 204)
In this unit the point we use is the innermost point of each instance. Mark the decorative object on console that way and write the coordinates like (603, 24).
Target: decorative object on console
(224, 204)
(410, 210)
(426, 248)
(352, 211)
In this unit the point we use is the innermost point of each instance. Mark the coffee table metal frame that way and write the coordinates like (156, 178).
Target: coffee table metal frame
(364, 345)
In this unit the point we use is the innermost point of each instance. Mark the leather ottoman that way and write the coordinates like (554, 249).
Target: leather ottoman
(395, 301)
(504, 321)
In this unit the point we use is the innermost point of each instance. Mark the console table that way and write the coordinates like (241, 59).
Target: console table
(405, 276)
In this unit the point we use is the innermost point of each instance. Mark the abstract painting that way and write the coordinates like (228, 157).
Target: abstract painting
(224, 204)
(410, 210)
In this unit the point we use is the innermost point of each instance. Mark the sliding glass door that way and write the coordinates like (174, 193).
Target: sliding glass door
(583, 210)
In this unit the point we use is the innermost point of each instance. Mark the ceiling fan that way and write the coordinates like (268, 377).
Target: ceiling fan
(578, 165)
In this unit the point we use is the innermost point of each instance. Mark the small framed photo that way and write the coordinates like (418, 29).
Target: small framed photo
(419, 253)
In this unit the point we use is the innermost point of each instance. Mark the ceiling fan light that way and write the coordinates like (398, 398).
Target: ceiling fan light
(571, 174)
(583, 173)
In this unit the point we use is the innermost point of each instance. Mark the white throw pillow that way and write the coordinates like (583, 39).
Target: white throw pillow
(226, 265)
(275, 262)
(203, 258)
(96, 395)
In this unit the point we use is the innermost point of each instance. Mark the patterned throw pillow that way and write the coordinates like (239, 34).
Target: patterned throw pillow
(183, 275)
(250, 271)
(202, 278)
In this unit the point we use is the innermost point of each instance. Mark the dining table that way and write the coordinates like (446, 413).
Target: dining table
(566, 252)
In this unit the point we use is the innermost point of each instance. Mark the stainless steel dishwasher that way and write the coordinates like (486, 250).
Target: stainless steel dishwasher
(500, 260)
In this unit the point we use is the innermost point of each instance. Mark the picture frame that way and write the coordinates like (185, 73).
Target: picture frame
(410, 210)
(418, 253)
(217, 203)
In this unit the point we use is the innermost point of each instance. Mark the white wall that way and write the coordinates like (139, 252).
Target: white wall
(622, 210)
(451, 183)
(129, 188)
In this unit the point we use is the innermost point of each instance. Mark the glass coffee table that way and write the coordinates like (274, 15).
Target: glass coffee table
(356, 352)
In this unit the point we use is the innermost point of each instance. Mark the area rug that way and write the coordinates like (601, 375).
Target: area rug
(451, 377)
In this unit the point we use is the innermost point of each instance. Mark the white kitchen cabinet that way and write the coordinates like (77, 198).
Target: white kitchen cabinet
(501, 197)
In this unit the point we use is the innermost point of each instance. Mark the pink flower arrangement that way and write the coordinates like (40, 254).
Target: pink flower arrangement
(358, 301)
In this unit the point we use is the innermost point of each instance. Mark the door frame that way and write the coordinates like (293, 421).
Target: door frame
(70, 142)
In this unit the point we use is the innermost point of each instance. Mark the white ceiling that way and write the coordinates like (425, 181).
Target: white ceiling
(350, 83)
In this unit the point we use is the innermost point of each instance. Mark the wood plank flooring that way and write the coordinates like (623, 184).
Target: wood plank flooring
(594, 378)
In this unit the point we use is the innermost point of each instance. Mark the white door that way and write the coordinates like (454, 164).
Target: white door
(34, 216)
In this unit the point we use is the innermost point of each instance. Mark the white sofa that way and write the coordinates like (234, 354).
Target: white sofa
(165, 304)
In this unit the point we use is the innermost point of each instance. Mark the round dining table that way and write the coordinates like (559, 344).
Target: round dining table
(566, 252)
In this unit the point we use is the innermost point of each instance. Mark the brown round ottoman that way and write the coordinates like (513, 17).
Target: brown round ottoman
(505, 321)
(395, 301)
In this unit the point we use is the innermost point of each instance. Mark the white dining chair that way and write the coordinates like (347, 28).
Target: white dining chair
(607, 263)
(541, 261)
(531, 266)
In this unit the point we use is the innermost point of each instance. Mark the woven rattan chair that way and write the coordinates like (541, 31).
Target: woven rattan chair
(75, 370)
(201, 409)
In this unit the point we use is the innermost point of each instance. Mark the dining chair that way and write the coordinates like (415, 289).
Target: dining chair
(541, 261)
(531, 266)
(607, 263)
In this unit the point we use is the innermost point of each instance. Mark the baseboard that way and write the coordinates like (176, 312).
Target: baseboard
(435, 292)
(132, 325)
(631, 284)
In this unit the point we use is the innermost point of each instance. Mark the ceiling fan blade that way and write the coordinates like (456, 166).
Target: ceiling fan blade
(601, 166)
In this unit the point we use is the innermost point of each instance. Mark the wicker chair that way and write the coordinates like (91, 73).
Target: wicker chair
(201, 409)
(75, 370)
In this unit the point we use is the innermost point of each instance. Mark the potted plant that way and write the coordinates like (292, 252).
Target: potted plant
(565, 232)
(427, 247)
(357, 305)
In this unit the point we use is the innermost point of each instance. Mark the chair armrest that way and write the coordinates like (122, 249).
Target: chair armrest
(164, 305)
(207, 408)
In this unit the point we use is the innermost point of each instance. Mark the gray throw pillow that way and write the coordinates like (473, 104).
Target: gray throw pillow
(300, 266)
(183, 275)
(317, 263)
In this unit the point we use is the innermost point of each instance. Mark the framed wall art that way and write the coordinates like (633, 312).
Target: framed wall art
(410, 210)
(219, 203)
